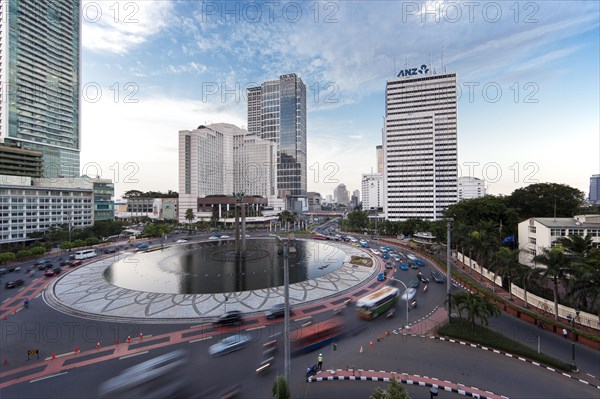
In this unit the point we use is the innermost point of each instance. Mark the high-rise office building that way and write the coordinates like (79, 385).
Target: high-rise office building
(379, 152)
(594, 196)
(420, 145)
(340, 194)
(277, 112)
(372, 191)
(222, 159)
(39, 75)
(470, 187)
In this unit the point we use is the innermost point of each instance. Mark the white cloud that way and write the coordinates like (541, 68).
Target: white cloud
(120, 25)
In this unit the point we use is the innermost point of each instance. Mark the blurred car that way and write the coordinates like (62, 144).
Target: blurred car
(73, 263)
(276, 311)
(62, 261)
(160, 377)
(413, 265)
(375, 252)
(3, 271)
(385, 255)
(409, 294)
(365, 245)
(14, 283)
(388, 265)
(110, 250)
(229, 344)
(230, 318)
(422, 277)
(224, 236)
(414, 284)
(213, 238)
(49, 272)
(57, 270)
(45, 266)
(419, 262)
(143, 246)
(437, 277)
(381, 276)
(181, 241)
(42, 264)
(403, 266)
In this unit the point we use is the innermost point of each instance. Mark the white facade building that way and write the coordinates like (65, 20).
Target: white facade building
(372, 191)
(420, 146)
(470, 187)
(538, 233)
(221, 159)
(30, 205)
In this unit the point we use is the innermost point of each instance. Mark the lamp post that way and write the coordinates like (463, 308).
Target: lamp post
(286, 308)
(572, 322)
(69, 214)
(448, 270)
(406, 290)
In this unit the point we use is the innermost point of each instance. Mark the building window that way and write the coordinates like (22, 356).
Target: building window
(558, 232)
(532, 240)
(532, 229)
(576, 232)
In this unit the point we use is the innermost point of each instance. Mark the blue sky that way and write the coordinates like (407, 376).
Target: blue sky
(528, 76)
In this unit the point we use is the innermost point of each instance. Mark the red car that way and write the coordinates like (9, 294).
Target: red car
(49, 273)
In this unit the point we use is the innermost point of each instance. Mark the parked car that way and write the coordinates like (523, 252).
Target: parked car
(14, 283)
(437, 277)
(230, 318)
(229, 344)
(276, 311)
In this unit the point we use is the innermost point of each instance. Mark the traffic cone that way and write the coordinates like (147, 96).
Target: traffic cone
(371, 343)
(53, 355)
(141, 336)
(361, 350)
(128, 338)
(98, 345)
(76, 349)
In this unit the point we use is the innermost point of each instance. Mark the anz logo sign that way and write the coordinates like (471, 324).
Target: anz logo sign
(414, 71)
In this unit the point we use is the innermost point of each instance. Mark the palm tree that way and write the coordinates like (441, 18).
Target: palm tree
(189, 216)
(477, 307)
(576, 246)
(394, 390)
(522, 277)
(558, 266)
(505, 264)
(585, 287)
(280, 388)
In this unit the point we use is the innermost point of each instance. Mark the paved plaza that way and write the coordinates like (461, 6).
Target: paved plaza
(86, 293)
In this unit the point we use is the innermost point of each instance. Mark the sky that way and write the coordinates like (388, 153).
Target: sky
(528, 77)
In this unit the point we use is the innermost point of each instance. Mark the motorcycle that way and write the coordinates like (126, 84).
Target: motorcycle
(311, 370)
(391, 313)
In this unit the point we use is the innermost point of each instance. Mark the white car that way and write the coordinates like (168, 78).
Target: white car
(229, 344)
(224, 236)
(182, 241)
(376, 252)
(411, 257)
(409, 294)
(213, 238)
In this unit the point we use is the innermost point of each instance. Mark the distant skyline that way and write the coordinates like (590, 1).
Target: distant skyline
(527, 74)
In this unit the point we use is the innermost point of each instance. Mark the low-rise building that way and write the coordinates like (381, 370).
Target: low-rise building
(146, 207)
(537, 233)
(470, 187)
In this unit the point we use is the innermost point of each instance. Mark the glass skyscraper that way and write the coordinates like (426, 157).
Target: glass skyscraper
(595, 189)
(277, 112)
(39, 72)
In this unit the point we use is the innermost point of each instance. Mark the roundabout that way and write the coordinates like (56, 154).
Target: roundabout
(112, 288)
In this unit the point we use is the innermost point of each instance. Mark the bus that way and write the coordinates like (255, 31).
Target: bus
(376, 303)
(86, 253)
(316, 335)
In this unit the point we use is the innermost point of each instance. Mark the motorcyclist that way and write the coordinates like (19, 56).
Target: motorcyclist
(26, 302)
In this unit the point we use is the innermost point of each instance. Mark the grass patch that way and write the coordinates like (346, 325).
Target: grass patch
(463, 330)
(361, 261)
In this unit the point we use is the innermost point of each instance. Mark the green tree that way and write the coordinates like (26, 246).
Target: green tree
(280, 388)
(584, 287)
(394, 390)
(23, 253)
(66, 245)
(505, 264)
(38, 250)
(538, 200)
(576, 246)
(357, 221)
(7, 257)
(92, 241)
(78, 243)
(558, 267)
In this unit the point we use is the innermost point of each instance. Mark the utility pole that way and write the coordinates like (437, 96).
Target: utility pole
(448, 269)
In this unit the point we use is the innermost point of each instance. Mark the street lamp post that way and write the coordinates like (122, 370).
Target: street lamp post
(406, 290)
(448, 270)
(69, 213)
(286, 308)
(572, 322)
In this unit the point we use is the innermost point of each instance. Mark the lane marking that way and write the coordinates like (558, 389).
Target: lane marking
(200, 325)
(133, 355)
(255, 328)
(200, 339)
(303, 318)
(48, 376)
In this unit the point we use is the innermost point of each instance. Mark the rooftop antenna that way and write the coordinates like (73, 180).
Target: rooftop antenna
(430, 63)
(443, 67)
(395, 71)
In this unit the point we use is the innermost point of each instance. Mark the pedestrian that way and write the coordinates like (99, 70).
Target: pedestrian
(565, 332)
(320, 362)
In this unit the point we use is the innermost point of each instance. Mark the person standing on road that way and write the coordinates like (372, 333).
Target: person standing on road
(320, 362)
(565, 332)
